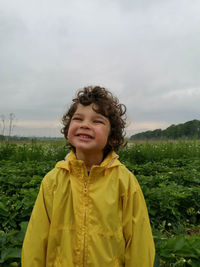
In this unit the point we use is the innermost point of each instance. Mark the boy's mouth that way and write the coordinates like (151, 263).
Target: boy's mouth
(85, 136)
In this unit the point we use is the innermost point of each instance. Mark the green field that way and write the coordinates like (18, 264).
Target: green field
(169, 175)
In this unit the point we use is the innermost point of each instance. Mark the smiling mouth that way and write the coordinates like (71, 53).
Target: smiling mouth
(84, 136)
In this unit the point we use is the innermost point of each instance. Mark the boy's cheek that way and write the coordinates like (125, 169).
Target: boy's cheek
(70, 135)
(72, 129)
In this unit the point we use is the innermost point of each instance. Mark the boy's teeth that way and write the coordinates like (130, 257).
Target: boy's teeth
(84, 136)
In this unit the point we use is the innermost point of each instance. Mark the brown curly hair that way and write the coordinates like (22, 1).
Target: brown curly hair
(105, 104)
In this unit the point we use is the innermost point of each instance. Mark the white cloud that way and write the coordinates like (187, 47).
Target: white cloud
(146, 52)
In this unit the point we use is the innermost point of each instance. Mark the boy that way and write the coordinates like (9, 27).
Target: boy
(90, 210)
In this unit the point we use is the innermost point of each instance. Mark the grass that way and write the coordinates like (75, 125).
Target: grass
(169, 175)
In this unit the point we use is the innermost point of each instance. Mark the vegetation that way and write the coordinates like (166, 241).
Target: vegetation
(16, 138)
(188, 130)
(169, 175)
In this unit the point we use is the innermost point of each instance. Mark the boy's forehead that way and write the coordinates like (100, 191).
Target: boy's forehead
(91, 108)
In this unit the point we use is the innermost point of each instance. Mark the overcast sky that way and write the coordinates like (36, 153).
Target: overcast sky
(147, 52)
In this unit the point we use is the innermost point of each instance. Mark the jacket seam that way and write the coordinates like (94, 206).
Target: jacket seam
(47, 186)
(108, 233)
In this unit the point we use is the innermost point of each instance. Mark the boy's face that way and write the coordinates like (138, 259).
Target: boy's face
(88, 130)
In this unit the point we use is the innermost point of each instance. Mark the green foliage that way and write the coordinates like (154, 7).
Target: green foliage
(179, 251)
(19, 184)
(149, 152)
(34, 151)
(169, 175)
(189, 130)
(10, 246)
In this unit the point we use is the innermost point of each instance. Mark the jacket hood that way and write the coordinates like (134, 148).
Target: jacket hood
(71, 161)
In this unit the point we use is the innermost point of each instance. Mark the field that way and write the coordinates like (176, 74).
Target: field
(169, 175)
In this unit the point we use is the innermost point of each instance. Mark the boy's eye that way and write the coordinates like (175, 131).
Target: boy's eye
(97, 121)
(77, 119)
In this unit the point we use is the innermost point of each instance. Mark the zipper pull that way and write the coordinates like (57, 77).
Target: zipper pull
(85, 188)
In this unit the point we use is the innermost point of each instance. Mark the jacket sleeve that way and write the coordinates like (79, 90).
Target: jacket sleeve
(139, 250)
(35, 242)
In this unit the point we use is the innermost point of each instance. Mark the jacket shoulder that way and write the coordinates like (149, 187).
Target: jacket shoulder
(127, 180)
(54, 177)
(126, 174)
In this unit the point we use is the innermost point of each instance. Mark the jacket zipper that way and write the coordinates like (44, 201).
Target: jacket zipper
(85, 195)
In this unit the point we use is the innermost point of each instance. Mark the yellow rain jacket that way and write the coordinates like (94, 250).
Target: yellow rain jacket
(95, 220)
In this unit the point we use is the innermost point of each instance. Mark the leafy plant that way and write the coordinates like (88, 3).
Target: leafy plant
(169, 175)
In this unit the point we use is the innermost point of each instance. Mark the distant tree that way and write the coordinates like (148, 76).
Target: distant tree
(157, 133)
(190, 129)
(11, 119)
(2, 137)
(3, 122)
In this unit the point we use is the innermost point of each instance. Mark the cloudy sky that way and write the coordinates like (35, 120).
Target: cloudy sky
(147, 52)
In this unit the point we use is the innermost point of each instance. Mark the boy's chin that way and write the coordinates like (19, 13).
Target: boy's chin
(89, 150)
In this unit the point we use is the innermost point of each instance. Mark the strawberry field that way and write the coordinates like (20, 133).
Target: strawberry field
(169, 175)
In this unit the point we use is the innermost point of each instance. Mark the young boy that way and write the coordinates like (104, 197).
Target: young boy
(90, 210)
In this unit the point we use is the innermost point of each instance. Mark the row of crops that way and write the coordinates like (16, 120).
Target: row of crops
(169, 175)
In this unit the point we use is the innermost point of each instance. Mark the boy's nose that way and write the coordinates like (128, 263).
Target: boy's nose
(85, 125)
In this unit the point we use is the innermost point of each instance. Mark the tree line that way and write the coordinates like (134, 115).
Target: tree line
(4, 123)
(187, 130)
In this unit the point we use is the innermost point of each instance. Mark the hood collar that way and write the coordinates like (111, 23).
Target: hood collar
(71, 162)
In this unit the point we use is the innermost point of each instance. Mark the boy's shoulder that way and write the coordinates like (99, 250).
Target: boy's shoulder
(122, 168)
(128, 181)
(56, 174)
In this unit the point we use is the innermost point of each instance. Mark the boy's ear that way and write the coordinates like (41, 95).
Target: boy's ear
(112, 142)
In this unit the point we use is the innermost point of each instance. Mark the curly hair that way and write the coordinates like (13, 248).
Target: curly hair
(105, 104)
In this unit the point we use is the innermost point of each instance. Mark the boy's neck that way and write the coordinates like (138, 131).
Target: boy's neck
(90, 159)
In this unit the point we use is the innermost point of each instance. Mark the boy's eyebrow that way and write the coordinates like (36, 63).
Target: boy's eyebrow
(95, 116)
(78, 114)
(100, 117)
